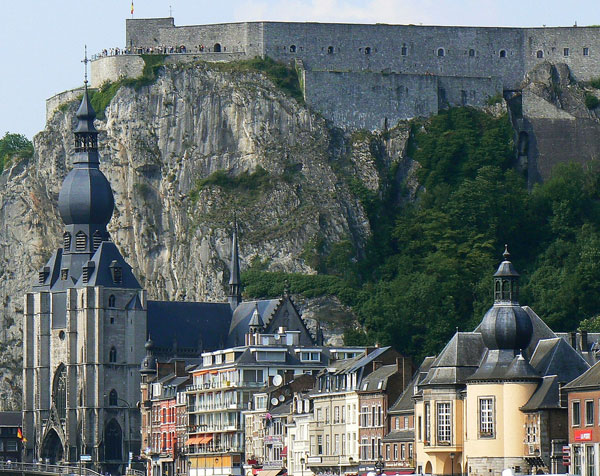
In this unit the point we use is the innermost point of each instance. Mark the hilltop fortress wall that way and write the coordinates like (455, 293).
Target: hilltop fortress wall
(363, 76)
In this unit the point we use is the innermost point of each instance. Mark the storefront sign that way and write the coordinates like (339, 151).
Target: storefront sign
(583, 435)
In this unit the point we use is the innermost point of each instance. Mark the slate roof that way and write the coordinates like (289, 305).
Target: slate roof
(405, 403)
(556, 357)
(588, 380)
(399, 435)
(457, 361)
(106, 253)
(10, 419)
(191, 325)
(243, 314)
(546, 396)
(371, 382)
(281, 409)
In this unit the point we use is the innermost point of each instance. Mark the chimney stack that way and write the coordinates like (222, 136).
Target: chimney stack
(574, 340)
(584, 341)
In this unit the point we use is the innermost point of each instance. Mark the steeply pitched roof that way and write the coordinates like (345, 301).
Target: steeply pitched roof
(404, 403)
(546, 396)
(243, 314)
(377, 380)
(556, 357)
(589, 379)
(191, 325)
(399, 435)
(459, 359)
(101, 275)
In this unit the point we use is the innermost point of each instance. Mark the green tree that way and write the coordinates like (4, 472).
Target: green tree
(13, 146)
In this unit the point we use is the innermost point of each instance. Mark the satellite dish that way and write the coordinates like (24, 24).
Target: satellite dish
(281, 398)
(277, 380)
(274, 401)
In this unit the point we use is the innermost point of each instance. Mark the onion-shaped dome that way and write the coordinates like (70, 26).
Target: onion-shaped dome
(86, 196)
(148, 365)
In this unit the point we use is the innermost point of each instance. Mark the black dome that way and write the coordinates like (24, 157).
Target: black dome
(506, 326)
(85, 197)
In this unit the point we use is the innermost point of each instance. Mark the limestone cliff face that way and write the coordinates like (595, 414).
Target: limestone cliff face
(184, 155)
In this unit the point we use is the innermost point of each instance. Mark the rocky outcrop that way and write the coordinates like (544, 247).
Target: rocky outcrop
(184, 155)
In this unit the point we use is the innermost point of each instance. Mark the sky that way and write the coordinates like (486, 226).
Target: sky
(42, 41)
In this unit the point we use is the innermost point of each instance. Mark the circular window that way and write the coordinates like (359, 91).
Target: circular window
(61, 335)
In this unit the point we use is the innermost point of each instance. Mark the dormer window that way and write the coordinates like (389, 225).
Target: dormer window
(116, 272)
(66, 241)
(64, 274)
(80, 241)
(88, 269)
(43, 274)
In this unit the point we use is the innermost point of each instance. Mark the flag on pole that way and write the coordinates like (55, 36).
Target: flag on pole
(20, 435)
(131, 7)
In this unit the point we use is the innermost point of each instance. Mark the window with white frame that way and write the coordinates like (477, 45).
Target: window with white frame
(589, 461)
(576, 413)
(589, 412)
(364, 417)
(427, 424)
(444, 424)
(364, 449)
(486, 417)
(336, 444)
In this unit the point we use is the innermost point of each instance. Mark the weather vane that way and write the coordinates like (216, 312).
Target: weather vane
(85, 61)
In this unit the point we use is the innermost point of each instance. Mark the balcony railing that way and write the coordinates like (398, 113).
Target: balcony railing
(209, 407)
(210, 428)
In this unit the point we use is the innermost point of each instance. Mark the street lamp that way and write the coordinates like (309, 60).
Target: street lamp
(302, 462)
(379, 464)
(452, 455)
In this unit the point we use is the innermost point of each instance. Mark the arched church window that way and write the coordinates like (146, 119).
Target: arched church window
(59, 391)
(112, 355)
(66, 241)
(96, 240)
(111, 300)
(113, 398)
(113, 437)
(80, 241)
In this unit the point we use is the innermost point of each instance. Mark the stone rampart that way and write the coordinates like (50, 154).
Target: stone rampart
(53, 103)
(111, 68)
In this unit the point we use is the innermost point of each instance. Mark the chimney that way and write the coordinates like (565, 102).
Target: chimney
(574, 340)
(377, 364)
(584, 341)
(180, 368)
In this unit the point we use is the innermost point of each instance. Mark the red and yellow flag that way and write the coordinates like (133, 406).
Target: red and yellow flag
(20, 435)
(132, 7)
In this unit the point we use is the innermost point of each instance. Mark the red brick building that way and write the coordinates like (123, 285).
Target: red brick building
(380, 388)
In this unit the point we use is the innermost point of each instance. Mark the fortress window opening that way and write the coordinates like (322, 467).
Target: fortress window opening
(404, 51)
(441, 53)
(330, 50)
(502, 53)
(293, 49)
(565, 51)
(540, 54)
(471, 52)
(368, 50)
(586, 51)
(217, 48)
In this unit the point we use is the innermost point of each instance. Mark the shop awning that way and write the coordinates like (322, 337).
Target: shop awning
(194, 440)
(284, 452)
(270, 472)
(206, 439)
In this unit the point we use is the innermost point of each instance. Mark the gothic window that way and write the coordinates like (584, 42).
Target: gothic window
(80, 241)
(217, 48)
(112, 355)
(59, 391)
(113, 398)
(471, 52)
(502, 53)
(293, 49)
(113, 441)
(540, 54)
(96, 240)
(404, 51)
(330, 50)
(441, 52)
(111, 300)
(66, 241)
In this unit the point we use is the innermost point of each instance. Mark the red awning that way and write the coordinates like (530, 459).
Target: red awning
(206, 439)
(194, 440)
(284, 451)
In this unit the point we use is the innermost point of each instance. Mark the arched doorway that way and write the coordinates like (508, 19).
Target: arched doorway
(113, 441)
(428, 468)
(217, 48)
(52, 448)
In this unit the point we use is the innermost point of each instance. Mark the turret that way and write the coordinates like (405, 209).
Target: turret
(235, 283)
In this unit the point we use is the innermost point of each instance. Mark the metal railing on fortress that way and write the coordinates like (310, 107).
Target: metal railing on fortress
(42, 468)
(158, 50)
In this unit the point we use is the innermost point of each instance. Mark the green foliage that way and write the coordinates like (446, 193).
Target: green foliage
(595, 83)
(14, 146)
(285, 77)
(591, 101)
(428, 266)
(495, 99)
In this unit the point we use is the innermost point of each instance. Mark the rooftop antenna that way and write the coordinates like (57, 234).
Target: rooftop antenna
(170, 11)
(85, 61)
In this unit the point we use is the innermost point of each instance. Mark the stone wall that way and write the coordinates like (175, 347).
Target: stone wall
(365, 100)
(111, 68)
(53, 103)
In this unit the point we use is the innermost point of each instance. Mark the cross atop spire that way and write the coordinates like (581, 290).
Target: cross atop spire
(85, 61)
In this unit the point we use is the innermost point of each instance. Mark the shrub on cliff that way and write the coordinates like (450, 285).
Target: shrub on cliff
(14, 146)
